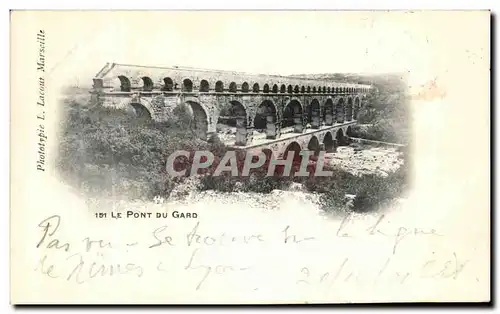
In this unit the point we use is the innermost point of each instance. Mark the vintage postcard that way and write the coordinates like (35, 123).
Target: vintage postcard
(249, 157)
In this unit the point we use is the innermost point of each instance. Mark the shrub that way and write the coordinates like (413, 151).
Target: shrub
(387, 110)
(371, 191)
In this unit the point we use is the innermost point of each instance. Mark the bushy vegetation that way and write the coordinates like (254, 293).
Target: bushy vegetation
(371, 191)
(386, 109)
(381, 131)
(387, 114)
(111, 152)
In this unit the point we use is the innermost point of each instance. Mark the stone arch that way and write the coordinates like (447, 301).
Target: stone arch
(239, 112)
(266, 119)
(314, 145)
(204, 86)
(256, 88)
(141, 112)
(187, 85)
(168, 84)
(296, 89)
(289, 89)
(147, 83)
(303, 89)
(329, 112)
(324, 89)
(268, 153)
(313, 114)
(292, 116)
(219, 86)
(266, 88)
(348, 111)
(124, 83)
(348, 131)
(314, 89)
(275, 88)
(308, 89)
(233, 87)
(356, 108)
(329, 89)
(339, 137)
(293, 147)
(339, 111)
(142, 108)
(199, 115)
(245, 87)
(283, 88)
(329, 142)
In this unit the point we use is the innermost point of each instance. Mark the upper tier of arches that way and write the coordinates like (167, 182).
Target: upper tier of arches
(121, 77)
(168, 84)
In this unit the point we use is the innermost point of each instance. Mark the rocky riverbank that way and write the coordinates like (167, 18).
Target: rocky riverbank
(361, 159)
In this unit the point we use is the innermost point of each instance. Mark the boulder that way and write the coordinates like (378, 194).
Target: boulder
(296, 187)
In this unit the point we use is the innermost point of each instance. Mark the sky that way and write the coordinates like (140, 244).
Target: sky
(267, 42)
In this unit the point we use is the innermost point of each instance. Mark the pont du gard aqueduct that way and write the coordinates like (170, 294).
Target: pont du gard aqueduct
(269, 113)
